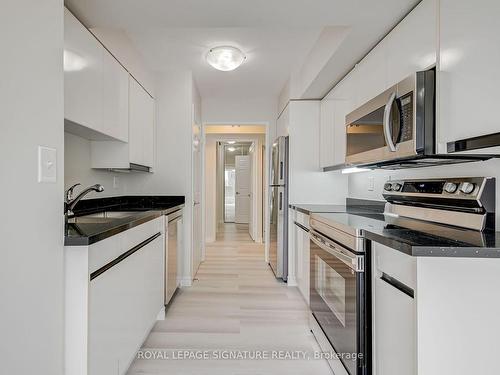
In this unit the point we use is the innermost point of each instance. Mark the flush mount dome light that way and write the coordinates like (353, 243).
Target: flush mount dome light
(225, 58)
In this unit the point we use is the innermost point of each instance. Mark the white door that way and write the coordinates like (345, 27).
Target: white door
(251, 217)
(197, 195)
(243, 180)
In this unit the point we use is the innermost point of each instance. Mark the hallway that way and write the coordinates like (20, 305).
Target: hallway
(235, 304)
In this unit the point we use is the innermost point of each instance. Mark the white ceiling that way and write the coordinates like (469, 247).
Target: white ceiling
(276, 35)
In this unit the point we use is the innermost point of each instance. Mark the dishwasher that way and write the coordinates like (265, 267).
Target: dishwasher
(172, 221)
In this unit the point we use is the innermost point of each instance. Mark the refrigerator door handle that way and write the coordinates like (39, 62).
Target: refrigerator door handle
(281, 170)
(281, 201)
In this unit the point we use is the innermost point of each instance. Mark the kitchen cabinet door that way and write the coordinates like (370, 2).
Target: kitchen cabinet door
(326, 133)
(395, 331)
(371, 74)
(83, 71)
(303, 254)
(123, 304)
(141, 125)
(412, 45)
(342, 98)
(115, 98)
(394, 314)
(469, 76)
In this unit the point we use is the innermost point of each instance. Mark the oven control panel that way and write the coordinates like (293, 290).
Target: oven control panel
(451, 188)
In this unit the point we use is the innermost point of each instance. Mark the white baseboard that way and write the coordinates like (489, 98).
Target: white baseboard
(185, 282)
(161, 314)
(291, 281)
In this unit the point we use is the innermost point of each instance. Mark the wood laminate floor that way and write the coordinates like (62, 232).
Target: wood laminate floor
(236, 308)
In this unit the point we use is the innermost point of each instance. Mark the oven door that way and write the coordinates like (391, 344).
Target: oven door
(383, 129)
(337, 300)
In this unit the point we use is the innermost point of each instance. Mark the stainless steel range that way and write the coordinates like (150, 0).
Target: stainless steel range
(449, 212)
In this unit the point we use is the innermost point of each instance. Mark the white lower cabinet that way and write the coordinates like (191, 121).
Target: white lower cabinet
(394, 312)
(299, 243)
(122, 302)
(395, 326)
(114, 291)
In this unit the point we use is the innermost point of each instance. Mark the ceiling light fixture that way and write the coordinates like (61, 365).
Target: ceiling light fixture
(231, 142)
(225, 58)
(231, 149)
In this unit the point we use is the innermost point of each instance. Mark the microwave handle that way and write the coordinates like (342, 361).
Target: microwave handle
(387, 123)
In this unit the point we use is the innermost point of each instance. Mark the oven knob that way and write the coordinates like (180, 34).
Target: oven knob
(396, 187)
(450, 187)
(467, 187)
(388, 186)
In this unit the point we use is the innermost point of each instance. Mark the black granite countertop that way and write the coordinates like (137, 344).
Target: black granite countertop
(140, 209)
(351, 205)
(418, 238)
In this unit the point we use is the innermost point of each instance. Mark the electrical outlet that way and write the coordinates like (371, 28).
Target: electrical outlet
(116, 182)
(371, 183)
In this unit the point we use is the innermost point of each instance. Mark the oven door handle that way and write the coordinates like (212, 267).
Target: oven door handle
(355, 262)
(387, 122)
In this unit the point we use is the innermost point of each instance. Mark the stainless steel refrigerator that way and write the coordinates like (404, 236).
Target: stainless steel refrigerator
(278, 208)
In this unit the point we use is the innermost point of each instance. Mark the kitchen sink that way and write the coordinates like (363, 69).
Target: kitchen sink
(102, 217)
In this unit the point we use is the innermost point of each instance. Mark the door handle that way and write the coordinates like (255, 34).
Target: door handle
(281, 202)
(196, 203)
(387, 122)
(237, 193)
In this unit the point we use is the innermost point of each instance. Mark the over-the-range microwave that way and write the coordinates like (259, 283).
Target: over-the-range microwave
(397, 129)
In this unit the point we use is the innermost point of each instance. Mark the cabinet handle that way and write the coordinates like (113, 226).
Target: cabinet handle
(398, 285)
(122, 257)
(387, 123)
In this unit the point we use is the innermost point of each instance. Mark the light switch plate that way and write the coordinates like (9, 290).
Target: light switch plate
(371, 183)
(47, 164)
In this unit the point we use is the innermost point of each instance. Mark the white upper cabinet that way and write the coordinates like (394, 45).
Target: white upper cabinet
(95, 86)
(115, 98)
(334, 108)
(141, 125)
(469, 74)
(326, 133)
(412, 45)
(83, 71)
(371, 74)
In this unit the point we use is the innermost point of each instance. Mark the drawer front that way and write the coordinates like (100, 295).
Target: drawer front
(397, 265)
(110, 248)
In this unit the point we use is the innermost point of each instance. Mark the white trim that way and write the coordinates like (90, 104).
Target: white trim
(291, 281)
(161, 314)
(185, 282)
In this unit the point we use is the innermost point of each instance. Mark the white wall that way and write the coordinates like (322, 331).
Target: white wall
(251, 110)
(358, 182)
(211, 206)
(31, 230)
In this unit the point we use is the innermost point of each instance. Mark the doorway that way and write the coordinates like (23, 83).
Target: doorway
(237, 181)
(234, 177)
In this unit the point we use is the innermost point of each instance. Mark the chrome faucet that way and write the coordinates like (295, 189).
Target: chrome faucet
(71, 203)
